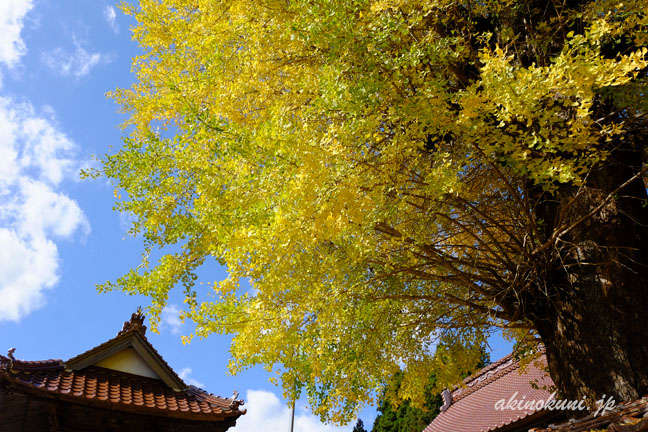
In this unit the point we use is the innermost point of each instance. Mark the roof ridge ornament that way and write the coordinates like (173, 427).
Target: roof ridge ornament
(136, 323)
(447, 400)
(6, 363)
(235, 401)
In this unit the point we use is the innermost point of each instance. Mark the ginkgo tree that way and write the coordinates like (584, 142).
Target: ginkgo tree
(389, 172)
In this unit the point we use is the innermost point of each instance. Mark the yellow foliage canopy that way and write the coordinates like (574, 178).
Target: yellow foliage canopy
(365, 164)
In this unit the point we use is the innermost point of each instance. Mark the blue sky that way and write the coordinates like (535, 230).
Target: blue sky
(58, 234)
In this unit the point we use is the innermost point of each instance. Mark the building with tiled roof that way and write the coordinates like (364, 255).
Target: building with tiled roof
(626, 417)
(121, 385)
(473, 406)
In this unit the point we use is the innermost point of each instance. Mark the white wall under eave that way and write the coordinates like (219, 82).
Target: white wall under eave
(128, 361)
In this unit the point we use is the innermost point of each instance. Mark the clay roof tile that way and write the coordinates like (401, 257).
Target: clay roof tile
(84, 381)
(473, 403)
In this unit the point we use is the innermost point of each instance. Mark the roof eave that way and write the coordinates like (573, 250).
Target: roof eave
(42, 394)
(141, 346)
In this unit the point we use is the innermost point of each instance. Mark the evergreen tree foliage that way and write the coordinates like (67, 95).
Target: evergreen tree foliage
(359, 426)
(405, 417)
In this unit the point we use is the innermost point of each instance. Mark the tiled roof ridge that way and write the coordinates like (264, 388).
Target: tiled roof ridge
(211, 398)
(484, 379)
(135, 326)
(7, 363)
(489, 374)
(123, 334)
(487, 369)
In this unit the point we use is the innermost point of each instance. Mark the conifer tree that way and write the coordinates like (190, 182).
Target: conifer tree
(359, 426)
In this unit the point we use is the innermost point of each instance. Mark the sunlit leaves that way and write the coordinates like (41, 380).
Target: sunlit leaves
(363, 164)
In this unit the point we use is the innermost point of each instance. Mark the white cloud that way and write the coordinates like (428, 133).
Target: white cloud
(171, 319)
(12, 15)
(267, 413)
(184, 374)
(111, 18)
(28, 267)
(35, 157)
(45, 212)
(73, 64)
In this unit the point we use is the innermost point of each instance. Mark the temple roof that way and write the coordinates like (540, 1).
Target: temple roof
(133, 337)
(102, 377)
(471, 406)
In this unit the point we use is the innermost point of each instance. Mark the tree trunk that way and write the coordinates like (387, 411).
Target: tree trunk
(591, 309)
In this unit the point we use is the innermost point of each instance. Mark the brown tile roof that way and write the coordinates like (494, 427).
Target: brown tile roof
(133, 333)
(79, 380)
(114, 390)
(473, 403)
(627, 417)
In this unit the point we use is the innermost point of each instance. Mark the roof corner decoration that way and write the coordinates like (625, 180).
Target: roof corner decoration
(235, 401)
(6, 363)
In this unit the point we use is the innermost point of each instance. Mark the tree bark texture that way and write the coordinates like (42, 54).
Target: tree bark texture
(592, 309)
